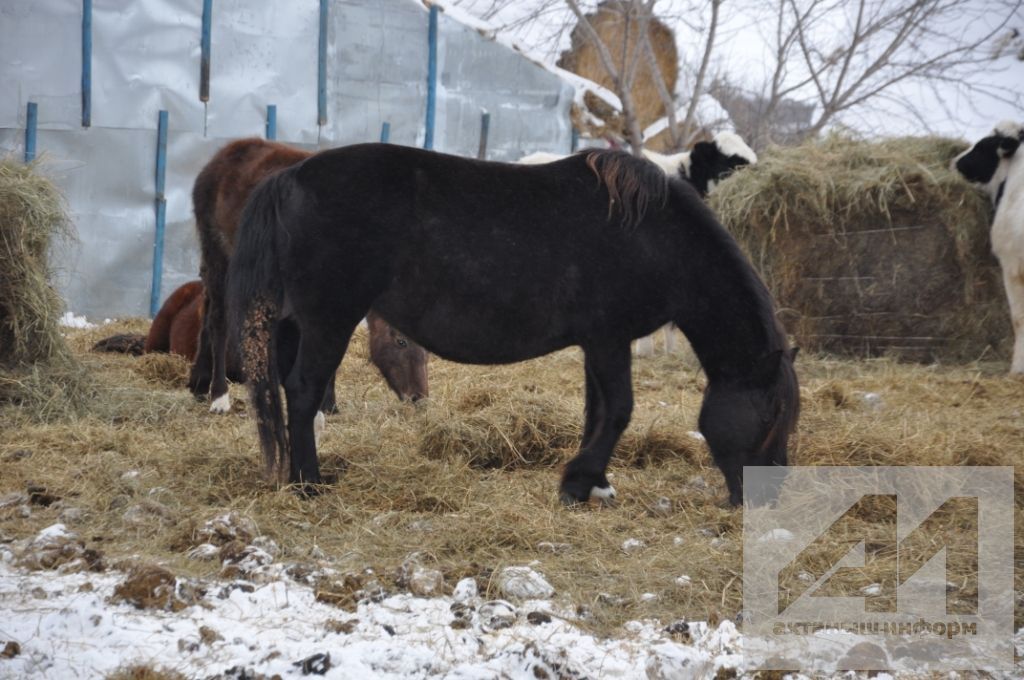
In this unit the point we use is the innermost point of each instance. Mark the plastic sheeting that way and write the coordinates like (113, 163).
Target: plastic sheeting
(146, 58)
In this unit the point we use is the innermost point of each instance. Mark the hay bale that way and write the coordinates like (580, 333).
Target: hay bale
(37, 369)
(583, 58)
(872, 248)
(32, 216)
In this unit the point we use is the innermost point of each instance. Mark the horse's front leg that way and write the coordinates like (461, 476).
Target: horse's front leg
(609, 407)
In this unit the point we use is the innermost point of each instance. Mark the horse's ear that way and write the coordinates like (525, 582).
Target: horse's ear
(793, 352)
(766, 370)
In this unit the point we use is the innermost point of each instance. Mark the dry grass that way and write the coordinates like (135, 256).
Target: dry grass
(467, 481)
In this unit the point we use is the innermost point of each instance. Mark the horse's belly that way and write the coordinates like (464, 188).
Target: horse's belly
(473, 334)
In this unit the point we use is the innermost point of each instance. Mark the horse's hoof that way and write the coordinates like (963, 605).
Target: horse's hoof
(308, 490)
(221, 404)
(604, 495)
(568, 500)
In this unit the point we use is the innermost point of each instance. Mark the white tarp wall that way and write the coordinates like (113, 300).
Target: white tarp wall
(146, 58)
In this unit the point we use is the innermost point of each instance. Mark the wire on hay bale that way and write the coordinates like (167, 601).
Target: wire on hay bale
(37, 370)
(872, 247)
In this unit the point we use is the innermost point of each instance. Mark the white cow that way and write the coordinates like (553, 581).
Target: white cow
(994, 164)
(702, 166)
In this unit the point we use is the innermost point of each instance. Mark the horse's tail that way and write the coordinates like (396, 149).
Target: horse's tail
(255, 294)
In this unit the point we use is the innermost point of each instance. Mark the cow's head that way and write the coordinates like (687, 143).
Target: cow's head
(711, 162)
(986, 162)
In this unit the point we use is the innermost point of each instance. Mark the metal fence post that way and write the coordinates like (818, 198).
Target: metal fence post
(485, 130)
(271, 121)
(204, 58)
(86, 63)
(31, 121)
(428, 136)
(161, 213)
(321, 74)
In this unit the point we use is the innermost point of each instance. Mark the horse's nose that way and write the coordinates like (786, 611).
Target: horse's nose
(415, 397)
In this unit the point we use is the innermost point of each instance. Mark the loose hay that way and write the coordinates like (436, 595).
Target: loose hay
(872, 248)
(406, 493)
(169, 370)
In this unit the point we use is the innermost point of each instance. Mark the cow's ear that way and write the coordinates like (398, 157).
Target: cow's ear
(1008, 146)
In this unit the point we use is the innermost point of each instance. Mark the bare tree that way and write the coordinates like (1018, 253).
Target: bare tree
(850, 56)
(828, 61)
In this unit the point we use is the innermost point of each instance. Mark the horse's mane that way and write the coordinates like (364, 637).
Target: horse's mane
(633, 183)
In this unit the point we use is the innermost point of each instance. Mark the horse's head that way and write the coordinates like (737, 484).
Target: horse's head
(747, 418)
(402, 362)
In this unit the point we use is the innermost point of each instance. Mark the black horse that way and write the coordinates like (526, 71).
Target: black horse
(490, 263)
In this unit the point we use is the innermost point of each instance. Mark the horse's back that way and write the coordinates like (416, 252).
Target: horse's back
(225, 182)
(443, 246)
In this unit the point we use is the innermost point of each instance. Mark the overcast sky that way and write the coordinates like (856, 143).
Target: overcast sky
(742, 56)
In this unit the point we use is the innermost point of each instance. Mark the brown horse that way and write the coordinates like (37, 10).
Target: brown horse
(175, 329)
(219, 194)
(177, 325)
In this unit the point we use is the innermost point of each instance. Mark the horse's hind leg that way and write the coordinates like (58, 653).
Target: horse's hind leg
(214, 334)
(202, 369)
(318, 356)
(609, 407)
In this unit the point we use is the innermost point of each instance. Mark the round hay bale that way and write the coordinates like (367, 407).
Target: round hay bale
(582, 58)
(872, 248)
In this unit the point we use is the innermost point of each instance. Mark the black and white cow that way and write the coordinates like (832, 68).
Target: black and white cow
(995, 164)
(707, 162)
(703, 166)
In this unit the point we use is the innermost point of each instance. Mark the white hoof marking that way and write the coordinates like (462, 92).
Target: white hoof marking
(319, 425)
(221, 404)
(605, 494)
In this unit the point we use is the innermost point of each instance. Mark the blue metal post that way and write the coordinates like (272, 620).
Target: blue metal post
(31, 120)
(321, 74)
(204, 59)
(161, 213)
(485, 130)
(428, 137)
(385, 132)
(575, 143)
(271, 121)
(86, 63)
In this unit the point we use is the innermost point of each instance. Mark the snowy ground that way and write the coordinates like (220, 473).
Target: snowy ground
(66, 625)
